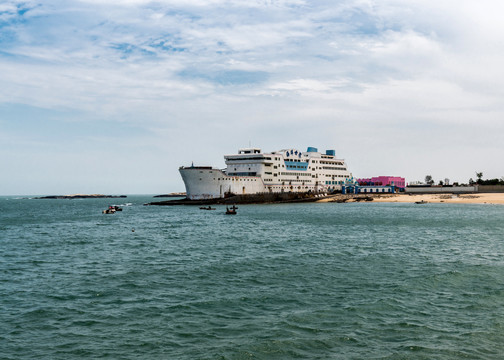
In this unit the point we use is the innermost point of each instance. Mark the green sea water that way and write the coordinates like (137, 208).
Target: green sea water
(296, 281)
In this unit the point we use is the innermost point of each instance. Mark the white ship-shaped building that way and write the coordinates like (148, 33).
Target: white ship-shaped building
(254, 172)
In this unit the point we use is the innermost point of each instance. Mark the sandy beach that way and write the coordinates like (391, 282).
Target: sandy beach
(477, 198)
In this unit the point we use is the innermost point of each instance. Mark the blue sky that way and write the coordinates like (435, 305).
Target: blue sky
(113, 96)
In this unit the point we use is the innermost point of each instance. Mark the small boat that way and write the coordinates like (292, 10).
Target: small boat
(117, 208)
(207, 208)
(110, 210)
(421, 202)
(231, 211)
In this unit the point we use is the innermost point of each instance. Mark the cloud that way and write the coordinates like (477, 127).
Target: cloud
(111, 47)
(285, 72)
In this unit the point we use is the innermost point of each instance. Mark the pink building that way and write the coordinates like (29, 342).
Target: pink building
(396, 181)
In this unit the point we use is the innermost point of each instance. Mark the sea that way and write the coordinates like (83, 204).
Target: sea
(278, 281)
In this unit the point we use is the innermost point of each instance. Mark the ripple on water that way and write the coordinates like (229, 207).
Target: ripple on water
(316, 281)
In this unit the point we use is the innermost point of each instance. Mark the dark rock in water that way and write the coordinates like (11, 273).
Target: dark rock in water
(81, 196)
(182, 194)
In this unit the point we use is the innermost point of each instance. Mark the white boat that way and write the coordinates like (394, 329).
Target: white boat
(253, 172)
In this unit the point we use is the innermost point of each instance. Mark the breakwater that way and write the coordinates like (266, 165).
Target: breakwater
(247, 199)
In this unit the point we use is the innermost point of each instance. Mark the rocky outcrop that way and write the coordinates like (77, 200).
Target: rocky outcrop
(81, 196)
(180, 194)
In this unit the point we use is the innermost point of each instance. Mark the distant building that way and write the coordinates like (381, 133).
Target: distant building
(356, 189)
(376, 185)
(398, 182)
(415, 183)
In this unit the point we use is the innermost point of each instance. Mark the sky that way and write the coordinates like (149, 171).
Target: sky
(114, 96)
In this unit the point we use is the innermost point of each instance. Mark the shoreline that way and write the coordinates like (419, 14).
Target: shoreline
(476, 198)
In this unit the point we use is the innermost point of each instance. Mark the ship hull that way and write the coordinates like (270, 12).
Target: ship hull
(203, 183)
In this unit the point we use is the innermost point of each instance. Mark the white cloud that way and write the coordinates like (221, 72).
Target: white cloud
(392, 68)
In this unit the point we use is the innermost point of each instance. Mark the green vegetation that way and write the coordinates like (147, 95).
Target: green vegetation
(479, 176)
(429, 180)
(490, 182)
(480, 181)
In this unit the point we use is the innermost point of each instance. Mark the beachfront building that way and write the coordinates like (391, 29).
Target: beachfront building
(375, 189)
(371, 189)
(376, 185)
(395, 181)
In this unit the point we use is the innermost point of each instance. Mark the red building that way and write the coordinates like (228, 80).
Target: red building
(398, 182)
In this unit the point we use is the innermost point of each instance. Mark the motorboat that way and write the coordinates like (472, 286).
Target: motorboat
(231, 210)
(110, 210)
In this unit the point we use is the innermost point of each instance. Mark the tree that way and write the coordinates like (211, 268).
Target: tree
(479, 175)
(429, 180)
